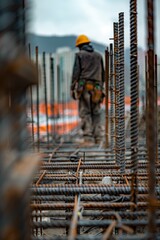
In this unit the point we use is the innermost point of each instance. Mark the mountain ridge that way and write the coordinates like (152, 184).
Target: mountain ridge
(50, 44)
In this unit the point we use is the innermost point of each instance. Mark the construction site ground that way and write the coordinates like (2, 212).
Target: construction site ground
(82, 193)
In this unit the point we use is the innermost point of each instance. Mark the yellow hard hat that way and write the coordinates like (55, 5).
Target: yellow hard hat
(82, 39)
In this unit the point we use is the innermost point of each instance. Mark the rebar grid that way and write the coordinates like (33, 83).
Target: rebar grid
(78, 193)
(96, 193)
(54, 202)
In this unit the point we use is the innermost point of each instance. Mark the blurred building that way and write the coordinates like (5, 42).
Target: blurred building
(63, 65)
(55, 71)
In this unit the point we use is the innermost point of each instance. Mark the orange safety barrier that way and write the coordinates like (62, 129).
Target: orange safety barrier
(63, 117)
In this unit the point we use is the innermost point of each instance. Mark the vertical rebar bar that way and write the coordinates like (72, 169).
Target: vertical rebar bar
(146, 85)
(156, 107)
(52, 94)
(16, 169)
(37, 105)
(45, 94)
(151, 121)
(31, 99)
(106, 92)
(112, 104)
(116, 84)
(121, 93)
(63, 112)
(134, 97)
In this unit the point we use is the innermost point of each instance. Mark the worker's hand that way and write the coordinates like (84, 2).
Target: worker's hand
(73, 94)
(73, 85)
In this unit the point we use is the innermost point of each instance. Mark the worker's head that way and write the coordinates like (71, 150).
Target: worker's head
(82, 39)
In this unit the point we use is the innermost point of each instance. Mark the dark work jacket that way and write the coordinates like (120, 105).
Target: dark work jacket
(88, 65)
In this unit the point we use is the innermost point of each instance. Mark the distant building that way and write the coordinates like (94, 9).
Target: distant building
(63, 65)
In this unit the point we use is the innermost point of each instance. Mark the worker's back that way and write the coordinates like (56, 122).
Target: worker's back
(90, 63)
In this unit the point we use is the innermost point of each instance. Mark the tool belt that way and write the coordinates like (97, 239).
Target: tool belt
(94, 87)
(89, 86)
(96, 90)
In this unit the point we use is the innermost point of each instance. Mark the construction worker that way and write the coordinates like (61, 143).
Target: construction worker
(87, 88)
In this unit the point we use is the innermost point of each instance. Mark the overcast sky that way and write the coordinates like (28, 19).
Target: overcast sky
(91, 17)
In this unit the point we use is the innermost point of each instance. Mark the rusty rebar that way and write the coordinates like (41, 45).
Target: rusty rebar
(112, 98)
(151, 121)
(96, 223)
(121, 94)
(45, 95)
(74, 230)
(134, 95)
(90, 188)
(52, 94)
(106, 214)
(59, 188)
(37, 103)
(93, 196)
(31, 100)
(116, 84)
(106, 97)
(17, 166)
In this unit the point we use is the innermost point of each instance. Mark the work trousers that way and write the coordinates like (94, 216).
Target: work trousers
(90, 114)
